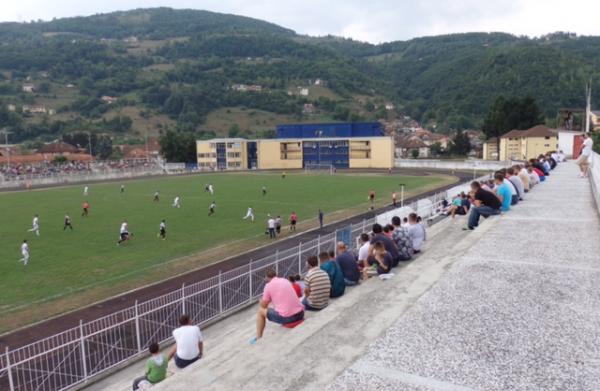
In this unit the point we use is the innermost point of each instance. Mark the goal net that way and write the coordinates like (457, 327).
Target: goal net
(319, 169)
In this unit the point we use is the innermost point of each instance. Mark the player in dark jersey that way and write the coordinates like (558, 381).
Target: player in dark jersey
(68, 222)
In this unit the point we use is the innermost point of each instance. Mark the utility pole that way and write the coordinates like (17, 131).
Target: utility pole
(146, 135)
(588, 107)
(6, 133)
(401, 195)
(90, 142)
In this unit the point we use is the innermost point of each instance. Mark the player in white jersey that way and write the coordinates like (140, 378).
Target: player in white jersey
(211, 208)
(24, 253)
(249, 214)
(124, 234)
(85, 191)
(211, 189)
(176, 202)
(35, 225)
(162, 230)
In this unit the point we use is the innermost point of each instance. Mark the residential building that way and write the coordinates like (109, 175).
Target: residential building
(304, 91)
(527, 144)
(490, 149)
(109, 99)
(308, 108)
(407, 145)
(595, 121)
(28, 87)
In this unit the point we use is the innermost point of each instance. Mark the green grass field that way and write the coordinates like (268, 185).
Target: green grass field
(65, 262)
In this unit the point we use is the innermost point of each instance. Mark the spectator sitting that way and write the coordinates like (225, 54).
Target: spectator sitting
(405, 222)
(485, 203)
(514, 195)
(516, 182)
(503, 192)
(347, 262)
(156, 368)
(381, 258)
(402, 240)
(299, 281)
(295, 285)
(521, 171)
(188, 343)
(336, 276)
(387, 231)
(390, 246)
(534, 178)
(363, 251)
(416, 232)
(318, 286)
(286, 305)
(331, 254)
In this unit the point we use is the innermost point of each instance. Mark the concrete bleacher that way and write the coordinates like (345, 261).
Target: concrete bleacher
(314, 352)
(510, 305)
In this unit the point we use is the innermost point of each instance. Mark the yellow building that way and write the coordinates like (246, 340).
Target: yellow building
(297, 153)
(527, 144)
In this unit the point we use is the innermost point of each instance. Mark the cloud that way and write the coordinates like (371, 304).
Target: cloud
(374, 21)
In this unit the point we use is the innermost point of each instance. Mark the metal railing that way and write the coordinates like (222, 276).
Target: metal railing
(76, 355)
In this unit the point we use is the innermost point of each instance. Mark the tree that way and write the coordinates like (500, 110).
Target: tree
(234, 130)
(178, 146)
(436, 149)
(461, 145)
(104, 148)
(507, 114)
(414, 153)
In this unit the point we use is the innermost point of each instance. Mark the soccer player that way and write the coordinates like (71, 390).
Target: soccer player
(122, 188)
(86, 206)
(283, 175)
(211, 189)
(394, 199)
(85, 191)
(35, 225)
(123, 233)
(211, 208)
(206, 188)
(264, 191)
(68, 222)
(293, 221)
(24, 253)
(249, 214)
(162, 230)
(156, 196)
(176, 202)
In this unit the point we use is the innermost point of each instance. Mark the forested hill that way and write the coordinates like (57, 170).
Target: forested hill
(211, 73)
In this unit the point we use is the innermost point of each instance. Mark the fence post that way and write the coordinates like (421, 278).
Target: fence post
(335, 239)
(137, 327)
(183, 298)
(300, 258)
(319, 244)
(9, 370)
(220, 294)
(364, 225)
(83, 358)
(277, 262)
(250, 291)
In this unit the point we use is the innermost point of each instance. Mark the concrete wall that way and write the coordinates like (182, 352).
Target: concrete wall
(382, 154)
(483, 165)
(565, 141)
(269, 156)
(595, 178)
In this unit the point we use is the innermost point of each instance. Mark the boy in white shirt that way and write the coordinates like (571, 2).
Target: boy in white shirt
(24, 253)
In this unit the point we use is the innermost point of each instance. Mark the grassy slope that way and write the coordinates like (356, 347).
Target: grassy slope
(62, 262)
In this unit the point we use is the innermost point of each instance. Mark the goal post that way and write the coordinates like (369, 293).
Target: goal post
(313, 168)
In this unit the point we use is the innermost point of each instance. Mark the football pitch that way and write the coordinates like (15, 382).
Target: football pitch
(65, 264)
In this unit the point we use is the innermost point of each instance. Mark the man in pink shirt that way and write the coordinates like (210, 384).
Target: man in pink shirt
(286, 307)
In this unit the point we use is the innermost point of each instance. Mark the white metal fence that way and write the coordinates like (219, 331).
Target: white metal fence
(76, 355)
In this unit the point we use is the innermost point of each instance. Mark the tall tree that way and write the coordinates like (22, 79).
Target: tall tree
(178, 147)
(507, 114)
(461, 145)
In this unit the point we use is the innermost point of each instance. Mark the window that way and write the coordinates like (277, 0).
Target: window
(233, 154)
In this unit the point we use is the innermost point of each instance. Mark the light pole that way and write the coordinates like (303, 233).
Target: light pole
(6, 133)
(401, 195)
(318, 133)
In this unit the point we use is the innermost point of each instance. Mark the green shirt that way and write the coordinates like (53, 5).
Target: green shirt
(156, 368)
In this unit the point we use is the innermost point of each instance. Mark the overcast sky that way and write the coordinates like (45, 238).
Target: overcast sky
(366, 20)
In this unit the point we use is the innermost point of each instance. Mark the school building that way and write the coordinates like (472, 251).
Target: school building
(345, 145)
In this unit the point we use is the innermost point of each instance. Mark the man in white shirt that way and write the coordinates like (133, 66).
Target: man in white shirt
(271, 227)
(85, 191)
(416, 232)
(35, 225)
(123, 233)
(211, 189)
(24, 253)
(363, 251)
(249, 214)
(586, 153)
(176, 202)
(188, 343)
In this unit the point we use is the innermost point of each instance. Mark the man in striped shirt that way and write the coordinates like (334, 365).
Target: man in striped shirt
(318, 286)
